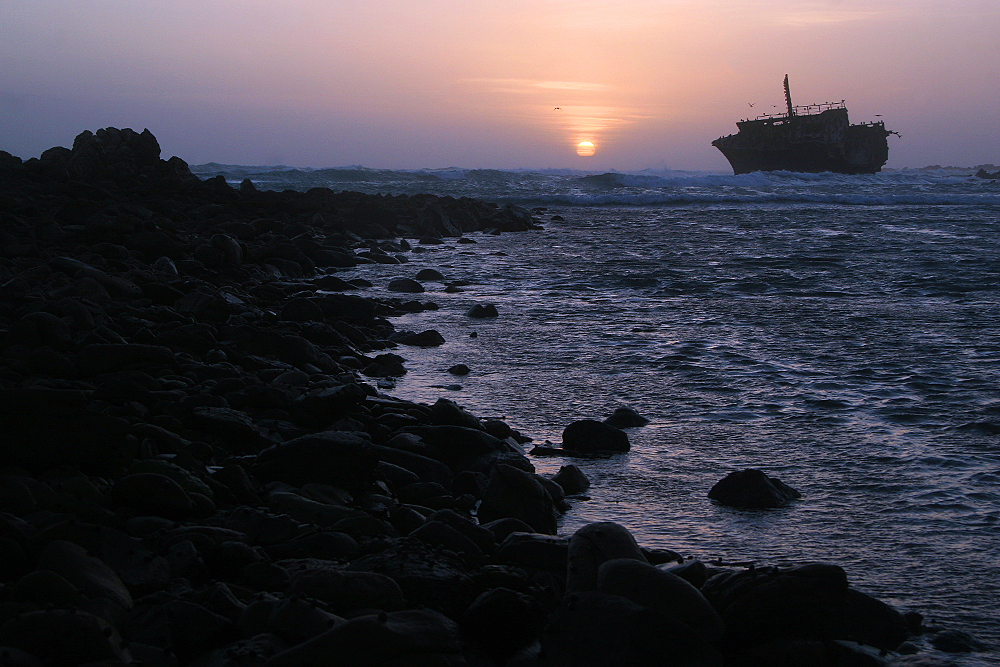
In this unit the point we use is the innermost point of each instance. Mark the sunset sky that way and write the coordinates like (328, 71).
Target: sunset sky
(512, 84)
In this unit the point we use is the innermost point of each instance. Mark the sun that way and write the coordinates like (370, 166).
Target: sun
(585, 148)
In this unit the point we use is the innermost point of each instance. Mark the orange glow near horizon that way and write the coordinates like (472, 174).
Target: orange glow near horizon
(397, 84)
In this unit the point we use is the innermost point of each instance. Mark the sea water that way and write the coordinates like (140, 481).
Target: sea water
(841, 333)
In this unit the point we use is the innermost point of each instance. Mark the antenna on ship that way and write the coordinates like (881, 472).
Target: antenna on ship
(788, 99)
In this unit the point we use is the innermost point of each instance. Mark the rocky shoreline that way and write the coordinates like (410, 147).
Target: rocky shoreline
(197, 469)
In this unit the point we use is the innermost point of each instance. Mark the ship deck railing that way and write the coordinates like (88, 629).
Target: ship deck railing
(804, 110)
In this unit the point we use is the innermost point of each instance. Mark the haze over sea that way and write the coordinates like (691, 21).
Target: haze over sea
(838, 332)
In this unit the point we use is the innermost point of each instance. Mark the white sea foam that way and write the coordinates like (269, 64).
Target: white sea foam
(904, 187)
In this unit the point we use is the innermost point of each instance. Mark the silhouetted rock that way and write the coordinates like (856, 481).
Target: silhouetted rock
(752, 489)
(405, 285)
(595, 629)
(482, 311)
(589, 436)
(811, 602)
(517, 494)
(593, 545)
(572, 480)
(625, 418)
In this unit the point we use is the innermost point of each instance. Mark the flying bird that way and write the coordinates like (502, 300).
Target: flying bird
(558, 109)
(750, 103)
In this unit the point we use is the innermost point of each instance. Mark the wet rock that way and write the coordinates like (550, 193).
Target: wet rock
(405, 285)
(346, 591)
(301, 310)
(424, 467)
(429, 338)
(595, 629)
(501, 528)
(463, 448)
(39, 328)
(459, 369)
(325, 545)
(429, 274)
(62, 637)
(440, 534)
(339, 458)
(571, 479)
(501, 622)
(514, 493)
(956, 641)
(542, 552)
(445, 412)
(591, 546)
(695, 572)
(589, 436)
(188, 628)
(296, 620)
(306, 510)
(650, 587)
(45, 587)
(810, 602)
(752, 489)
(89, 574)
(625, 418)
(482, 311)
(480, 536)
(261, 527)
(103, 358)
(245, 652)
(152, 493)
(49, 428)
(427, 577)
(141, 570)
(410, 637)
(812, 653)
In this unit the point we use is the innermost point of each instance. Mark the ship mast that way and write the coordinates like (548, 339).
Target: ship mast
(788, 99)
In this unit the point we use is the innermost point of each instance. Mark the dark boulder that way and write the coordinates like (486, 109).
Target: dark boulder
(339, 458)
(517, 494)
(651, 587)
(62, 637)
(429, 577)
(460, 447)
(625, 418)
(411, 637)
(589, 436)
(572, 480)
(501, 622)
(153, 494)
(429, 274)
(596, 629)
(445, 412)
(533, 550)
(591, 546)
(482, 311)
(752, 489)
(406, 285)
(812, 602)
(345, 591)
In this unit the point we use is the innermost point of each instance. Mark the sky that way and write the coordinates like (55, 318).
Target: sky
(505, 84)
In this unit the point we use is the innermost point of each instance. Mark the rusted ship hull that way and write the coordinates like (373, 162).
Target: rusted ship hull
(814, 138)
(864, 154)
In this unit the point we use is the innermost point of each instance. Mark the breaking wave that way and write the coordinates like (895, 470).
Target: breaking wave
(905, 187)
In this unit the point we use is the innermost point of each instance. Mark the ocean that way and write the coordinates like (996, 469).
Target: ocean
(841, 333)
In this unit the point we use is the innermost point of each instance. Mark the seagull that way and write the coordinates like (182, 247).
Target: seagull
(750, 103)
(558, 109)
